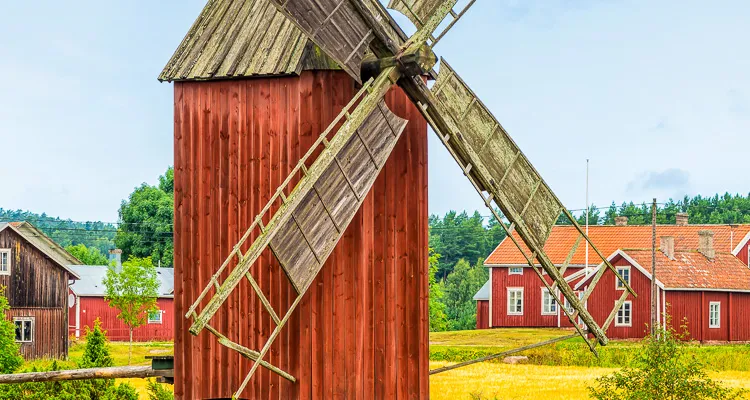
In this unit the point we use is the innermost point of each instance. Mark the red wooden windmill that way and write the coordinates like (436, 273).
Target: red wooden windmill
(308, 213)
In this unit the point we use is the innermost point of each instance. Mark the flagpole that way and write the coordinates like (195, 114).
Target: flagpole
(587, 212)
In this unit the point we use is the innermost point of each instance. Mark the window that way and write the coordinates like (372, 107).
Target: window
(549, 305)
(154, 317)
(515, 301)
(4, 261)
(625, 314)
(714, 314)
(515, 271)
(624, 272)
(24, 329)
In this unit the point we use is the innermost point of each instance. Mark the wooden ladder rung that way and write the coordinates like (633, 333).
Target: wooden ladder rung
(263, 299)
(253, 355)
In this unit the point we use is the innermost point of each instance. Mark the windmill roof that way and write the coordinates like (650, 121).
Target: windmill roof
(44, 244)
(244, 38)
(609, 238)
(92, 277)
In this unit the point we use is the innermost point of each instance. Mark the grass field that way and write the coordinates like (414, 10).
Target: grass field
(559, 371)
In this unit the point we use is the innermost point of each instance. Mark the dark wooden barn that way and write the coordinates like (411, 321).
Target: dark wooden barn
(251, 95)
(34, 271)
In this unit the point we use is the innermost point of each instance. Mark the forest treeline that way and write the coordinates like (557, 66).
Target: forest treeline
(459, 241)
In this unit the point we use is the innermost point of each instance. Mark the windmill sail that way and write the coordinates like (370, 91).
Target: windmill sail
(496, 166)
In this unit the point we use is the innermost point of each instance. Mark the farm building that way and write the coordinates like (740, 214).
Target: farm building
(34, 270)
(251, 95)
(88, 305)
(697, 265)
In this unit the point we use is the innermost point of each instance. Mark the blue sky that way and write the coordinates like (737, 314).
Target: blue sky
(655, 94)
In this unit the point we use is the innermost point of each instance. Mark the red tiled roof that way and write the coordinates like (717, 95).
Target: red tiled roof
(693, 270)
(608, 239)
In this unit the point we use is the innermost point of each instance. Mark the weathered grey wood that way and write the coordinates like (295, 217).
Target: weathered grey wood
(501, 354)
(87, 373)
(334, 25)
(263, 298)
(369, 102)
(254, 355)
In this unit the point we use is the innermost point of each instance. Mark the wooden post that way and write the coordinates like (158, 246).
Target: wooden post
(88, 373)
(654, 321)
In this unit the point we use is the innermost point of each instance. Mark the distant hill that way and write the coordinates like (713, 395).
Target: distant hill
(66, 232)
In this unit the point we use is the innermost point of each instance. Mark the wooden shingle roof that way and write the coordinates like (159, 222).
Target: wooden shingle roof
(238, 38)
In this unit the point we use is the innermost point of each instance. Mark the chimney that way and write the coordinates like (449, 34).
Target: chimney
(682, 219)
(706, 243)
(115, 259)
(667, 246)
(621, 221)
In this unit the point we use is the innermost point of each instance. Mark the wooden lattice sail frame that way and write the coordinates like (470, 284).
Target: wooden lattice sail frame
(312, 217)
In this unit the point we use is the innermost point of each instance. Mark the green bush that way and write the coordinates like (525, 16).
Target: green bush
(122, 391)
(156, 391)
(10, 357)
(662, 369)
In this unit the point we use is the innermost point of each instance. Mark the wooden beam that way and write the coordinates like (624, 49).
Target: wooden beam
(87, 373)
(503, 354)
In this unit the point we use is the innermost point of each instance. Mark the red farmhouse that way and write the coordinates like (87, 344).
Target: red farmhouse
(702, 275)
(88, 304)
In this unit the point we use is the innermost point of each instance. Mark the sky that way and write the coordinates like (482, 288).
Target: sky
(655, 94)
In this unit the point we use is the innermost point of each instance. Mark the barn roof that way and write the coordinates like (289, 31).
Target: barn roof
(43, 243)
(484, 292)
(609, 238)
(689, 270)
(92, 276)
(244, 38)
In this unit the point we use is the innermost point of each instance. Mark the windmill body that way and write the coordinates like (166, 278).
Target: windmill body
(300, 197)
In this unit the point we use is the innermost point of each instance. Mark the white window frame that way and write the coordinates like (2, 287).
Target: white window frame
(552, 303)
(717, 323)
(618, 284)
(22, 320)
(515, 270)
(629, 303)
(153, 321)
(508, 308)
(10, 262)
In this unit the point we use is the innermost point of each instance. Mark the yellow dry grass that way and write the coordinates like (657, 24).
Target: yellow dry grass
(522, 382)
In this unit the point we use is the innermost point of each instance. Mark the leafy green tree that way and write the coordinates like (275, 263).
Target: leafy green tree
(146, 221)
(593, 216)
(460, 287)
(662, 369)
(438, 318)
(88, 256)
(457, 236)
(132, 291)
(122, 391)
(10, 357)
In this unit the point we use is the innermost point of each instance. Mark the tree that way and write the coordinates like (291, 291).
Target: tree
(438, 318)
(96, 354)
(460, 287)
(88, 256)
(457, 236)
(146, 221)
(10, 357)
(132, 290)
(662, 369)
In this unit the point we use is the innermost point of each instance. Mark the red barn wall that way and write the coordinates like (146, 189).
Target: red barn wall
(483, 310)
(743, 254)
(739, 323)
(361, 331)
(532, 313)
(92, 308)
(603, 299)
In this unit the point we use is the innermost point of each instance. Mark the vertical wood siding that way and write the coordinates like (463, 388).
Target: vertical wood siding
(603, 299)
(362, 329)
(92, 308)
(743, 254)
(37, 287)
(532, 299)
(483, 310)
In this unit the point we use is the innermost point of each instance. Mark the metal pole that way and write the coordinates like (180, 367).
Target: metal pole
(654, 322)
(587, 212)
